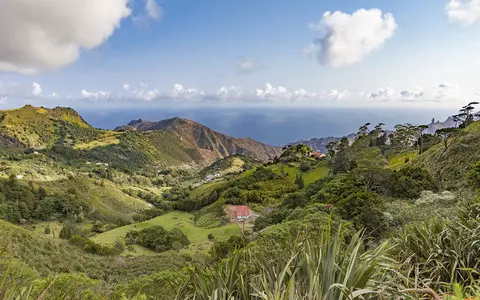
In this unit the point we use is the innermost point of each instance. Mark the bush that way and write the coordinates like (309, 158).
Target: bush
(91, 247)
(304, 166)
(409, 182)
(69, 229)
(158, 239)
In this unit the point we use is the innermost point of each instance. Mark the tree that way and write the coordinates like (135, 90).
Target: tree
(448, 136)
(362, 131)
(404, 135)
(299, 182)
(420, 130)
(332, 148)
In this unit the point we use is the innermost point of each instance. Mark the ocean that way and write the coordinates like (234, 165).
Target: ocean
(275, 126)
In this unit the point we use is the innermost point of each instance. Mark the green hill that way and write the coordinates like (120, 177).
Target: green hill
(451, 167)
(62, 134)
(42, 128)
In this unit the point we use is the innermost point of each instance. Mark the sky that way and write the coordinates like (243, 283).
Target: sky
(152, 53)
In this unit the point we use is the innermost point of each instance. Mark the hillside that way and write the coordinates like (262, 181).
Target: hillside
(63, 135)
(452, 166)
(41, 128)
(207, 143)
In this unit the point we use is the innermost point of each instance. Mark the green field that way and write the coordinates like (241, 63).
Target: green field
(206, 189)
(315, 174)
(309, 177)
(197, 236)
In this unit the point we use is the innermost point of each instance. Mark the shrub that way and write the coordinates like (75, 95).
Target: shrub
(47, 230)
(69, 229)
(158, 239)
(304, 166)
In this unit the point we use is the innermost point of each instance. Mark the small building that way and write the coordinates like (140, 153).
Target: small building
(317, 155)
(242, 213)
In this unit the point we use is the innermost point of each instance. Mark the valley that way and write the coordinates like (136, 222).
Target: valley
(132, 211)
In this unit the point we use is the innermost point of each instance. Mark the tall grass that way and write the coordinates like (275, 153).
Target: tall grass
(322, 266)
(440, 252)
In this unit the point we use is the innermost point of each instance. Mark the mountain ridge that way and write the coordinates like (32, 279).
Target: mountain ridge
(209, 141)
(140, 145)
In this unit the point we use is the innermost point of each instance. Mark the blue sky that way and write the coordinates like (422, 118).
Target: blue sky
(430, 57)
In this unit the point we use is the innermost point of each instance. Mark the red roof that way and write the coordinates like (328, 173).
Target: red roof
(241, 211)
(315, 154)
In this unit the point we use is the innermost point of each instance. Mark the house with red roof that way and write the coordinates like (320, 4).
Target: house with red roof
(242, 212)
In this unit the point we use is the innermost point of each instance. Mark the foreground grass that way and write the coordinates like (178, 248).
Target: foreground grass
(197, 236)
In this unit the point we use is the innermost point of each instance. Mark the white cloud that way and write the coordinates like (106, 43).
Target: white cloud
(447, 91)
(247, 65)
(231, 92)
(282, 94)
(346, 39)
(37, 89)
(154, 10)
(126, 87)
(96, 95)
(180, 91)
(336, 95)
(464, 12)
(409, 95)
(273, 93)
(386, 93)
(48, 34)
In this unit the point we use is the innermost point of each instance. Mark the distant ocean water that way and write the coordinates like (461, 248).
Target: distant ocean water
(275, 126)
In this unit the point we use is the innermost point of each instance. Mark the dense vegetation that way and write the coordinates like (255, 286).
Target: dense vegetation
(382, 216)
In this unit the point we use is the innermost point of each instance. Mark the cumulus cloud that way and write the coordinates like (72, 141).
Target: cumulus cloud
(48, 34)
(386, 93)
(180, 91)
(36, 89)
(154, 10)
(96, 95)
(282, 94)
(346, 39)
(230, 92)
(247, 65)
(412, 95)
(336, 95)
(447, 91)
(463, 12)
(126, 87)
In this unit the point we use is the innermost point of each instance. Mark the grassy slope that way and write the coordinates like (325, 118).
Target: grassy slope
(45, 254)
(198, 236)
(206, 188)
(397, 161)
(42, 128)
(106, 200)
(309, 177)
(451, 167)
(48, 255)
